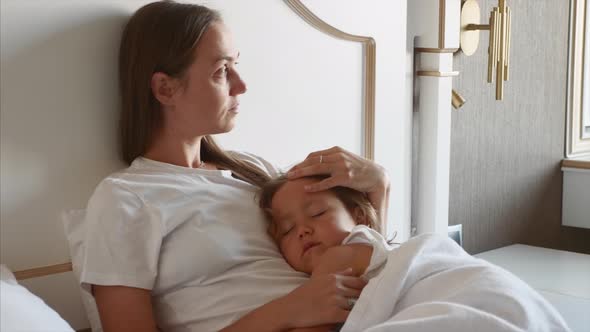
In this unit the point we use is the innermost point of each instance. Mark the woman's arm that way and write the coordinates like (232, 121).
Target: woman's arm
(379, 198)
(125, 309)
(346, 169)
(320, 301)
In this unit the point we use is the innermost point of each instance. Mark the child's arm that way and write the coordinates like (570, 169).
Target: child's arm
(356, 256)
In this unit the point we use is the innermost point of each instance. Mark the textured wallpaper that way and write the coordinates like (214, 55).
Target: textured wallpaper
(505, 180)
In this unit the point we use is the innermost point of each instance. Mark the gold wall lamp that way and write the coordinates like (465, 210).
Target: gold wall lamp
(499, 39)
(457, 100)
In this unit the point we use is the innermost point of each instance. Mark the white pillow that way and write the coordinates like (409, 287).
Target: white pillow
(22, 310)
(73, 221)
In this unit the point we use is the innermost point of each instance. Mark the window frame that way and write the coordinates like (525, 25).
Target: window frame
(576, 144)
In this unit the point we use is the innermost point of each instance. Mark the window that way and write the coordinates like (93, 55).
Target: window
(578, 87)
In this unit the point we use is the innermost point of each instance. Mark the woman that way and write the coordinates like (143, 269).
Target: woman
(176, 241)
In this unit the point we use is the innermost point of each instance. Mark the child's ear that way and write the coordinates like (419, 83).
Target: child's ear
(359, 216)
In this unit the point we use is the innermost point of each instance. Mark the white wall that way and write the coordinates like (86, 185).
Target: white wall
(58, 101)
(385, 21)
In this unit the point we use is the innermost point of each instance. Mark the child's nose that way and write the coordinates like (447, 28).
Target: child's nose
(304, 231)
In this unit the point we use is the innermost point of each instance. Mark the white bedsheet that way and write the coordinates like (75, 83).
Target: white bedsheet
(430, 284)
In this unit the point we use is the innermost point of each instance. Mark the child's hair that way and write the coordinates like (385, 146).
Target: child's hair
(351, 199)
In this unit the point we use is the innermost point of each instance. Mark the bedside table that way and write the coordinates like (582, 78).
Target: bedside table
(562, 277)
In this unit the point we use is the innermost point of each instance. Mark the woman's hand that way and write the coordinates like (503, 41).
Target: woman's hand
(323, 299)
(346, 169)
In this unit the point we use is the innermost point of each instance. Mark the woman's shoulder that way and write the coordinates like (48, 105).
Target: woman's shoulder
(134, 178)
(111, 191)
(119, 186)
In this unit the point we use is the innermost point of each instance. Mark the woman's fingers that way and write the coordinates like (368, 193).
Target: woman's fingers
(342, 313)
(343, 304)
(319, 160)
(345, 169)
(350, 288)
(346, 272)
(313, 169)
(324, 299)
(351, 293)
(330, 155)
(328, 183)
(335, 180)
(354, 283)
(326, 152)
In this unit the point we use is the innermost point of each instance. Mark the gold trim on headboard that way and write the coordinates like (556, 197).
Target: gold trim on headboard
(435, 50)
(436, 73)
(43, 271)
(370, 56)
(442, 4)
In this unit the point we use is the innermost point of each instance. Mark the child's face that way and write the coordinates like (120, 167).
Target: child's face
(308, 223)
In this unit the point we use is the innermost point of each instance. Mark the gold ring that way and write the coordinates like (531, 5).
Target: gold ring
(351, 301)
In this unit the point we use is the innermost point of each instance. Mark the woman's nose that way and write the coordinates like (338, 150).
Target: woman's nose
(238, 86)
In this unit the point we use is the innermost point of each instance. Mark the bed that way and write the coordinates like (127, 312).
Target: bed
(59, 110)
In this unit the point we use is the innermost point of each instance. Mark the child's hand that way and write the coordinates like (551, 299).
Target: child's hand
(354, 256)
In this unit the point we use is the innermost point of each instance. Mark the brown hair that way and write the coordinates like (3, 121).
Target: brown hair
(162, 37)
(351, 199)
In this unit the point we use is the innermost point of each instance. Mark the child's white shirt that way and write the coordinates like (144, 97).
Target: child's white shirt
(364, 235)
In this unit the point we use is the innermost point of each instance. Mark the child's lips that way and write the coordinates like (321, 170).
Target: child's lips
(308, 246)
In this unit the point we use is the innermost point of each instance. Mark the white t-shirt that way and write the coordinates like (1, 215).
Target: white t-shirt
(365, 235)
(196, 238)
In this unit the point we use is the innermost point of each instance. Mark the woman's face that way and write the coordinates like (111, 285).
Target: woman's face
(308, 223)
(207, 100)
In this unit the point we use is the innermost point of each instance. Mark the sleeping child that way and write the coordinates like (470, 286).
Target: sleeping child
(428, 283)
(323, 232)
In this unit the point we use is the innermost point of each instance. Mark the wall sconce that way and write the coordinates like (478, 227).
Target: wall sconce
(499, 39)
(457, 100)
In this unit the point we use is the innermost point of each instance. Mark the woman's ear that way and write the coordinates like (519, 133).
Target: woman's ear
(359, 216)
(164, 88)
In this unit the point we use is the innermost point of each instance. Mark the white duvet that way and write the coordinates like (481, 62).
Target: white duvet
(430, 284)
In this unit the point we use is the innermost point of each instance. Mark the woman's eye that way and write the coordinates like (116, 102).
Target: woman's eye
(222, 71)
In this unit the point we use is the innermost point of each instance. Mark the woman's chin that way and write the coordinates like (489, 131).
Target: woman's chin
(229, 127)
(225, 128)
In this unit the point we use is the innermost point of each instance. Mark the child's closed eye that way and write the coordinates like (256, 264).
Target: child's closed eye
(318, 214)
(286, 230)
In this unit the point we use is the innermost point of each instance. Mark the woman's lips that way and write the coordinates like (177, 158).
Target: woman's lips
(235, 108)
